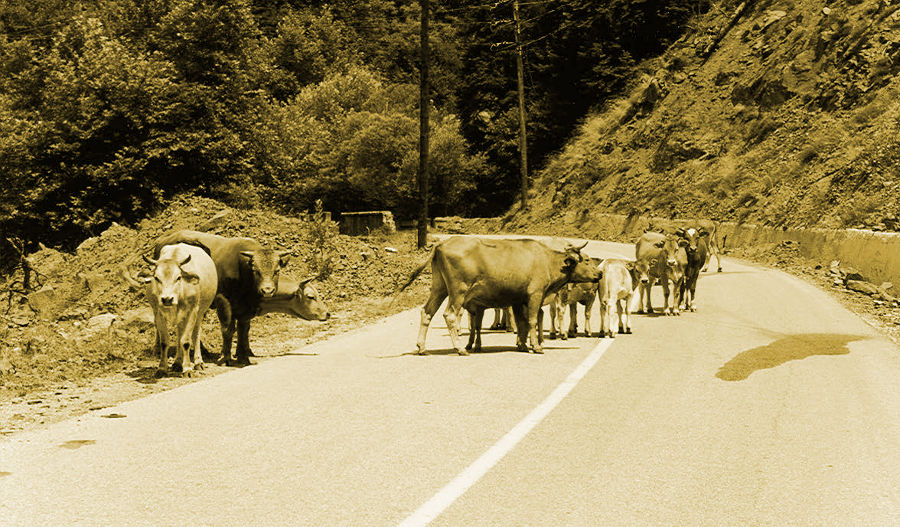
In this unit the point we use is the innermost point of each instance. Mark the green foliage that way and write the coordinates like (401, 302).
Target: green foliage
(109, 108)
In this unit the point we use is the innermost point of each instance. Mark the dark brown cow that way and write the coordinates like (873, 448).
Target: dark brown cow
(477, 274)
(248, 272)
(697, 250)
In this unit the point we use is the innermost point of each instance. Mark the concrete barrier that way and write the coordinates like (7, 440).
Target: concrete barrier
(874, 254)
(364, 223)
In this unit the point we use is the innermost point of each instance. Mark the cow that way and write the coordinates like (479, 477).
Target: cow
(615, 290)
(248, 273)
(180, 291)
(476, 274)
(571, 295)
(300, 299)
(697, 255)
(477, 316)
(713, 248)
(661, 258)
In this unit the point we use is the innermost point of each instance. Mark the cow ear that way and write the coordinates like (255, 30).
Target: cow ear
(247, 254)
(284, 257)
(190, 278)
(629, 265)
(660, 244)
(149, 260)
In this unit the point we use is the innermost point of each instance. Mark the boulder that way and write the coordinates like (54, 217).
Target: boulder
(863, 287)
(43, 300)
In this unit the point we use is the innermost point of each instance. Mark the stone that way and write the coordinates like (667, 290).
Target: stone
(863, 287)
(219, 219)
(43, 300)
(7, 367)
(138, 317)
(100, 323)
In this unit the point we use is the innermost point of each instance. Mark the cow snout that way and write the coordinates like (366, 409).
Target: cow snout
(267, 290)
(671, 262)
(167, 300)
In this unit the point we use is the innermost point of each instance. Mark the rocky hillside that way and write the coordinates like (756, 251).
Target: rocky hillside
(773, 112)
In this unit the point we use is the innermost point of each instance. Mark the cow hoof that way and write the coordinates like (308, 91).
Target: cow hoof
(160, 374)
(538, 351)
(468, 346)
(242, 361)
(198, 367)
(552, 336)
(628, 331)
(187, 374)
(462, 353)
(621, 331)
(719, 270)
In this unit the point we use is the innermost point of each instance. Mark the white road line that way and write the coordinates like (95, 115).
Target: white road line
(468, 477)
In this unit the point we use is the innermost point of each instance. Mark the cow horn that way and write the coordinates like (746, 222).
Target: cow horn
(680, 231)
(247, 254)
(578, 248)
(149, 260)
(186, 260)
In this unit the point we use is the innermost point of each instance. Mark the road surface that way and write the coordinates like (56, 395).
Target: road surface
(771, 405)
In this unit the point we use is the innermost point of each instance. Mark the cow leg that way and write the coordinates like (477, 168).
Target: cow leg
(540, 325)
(476, 317)
(451, 315)
(573, 320)
(438, 294)
(227, 338)
(555, 317)
(518, 312)
(666, 292)
(243, 342)
(196, 345)
(498, 319)
(162, 344)
(533, 307)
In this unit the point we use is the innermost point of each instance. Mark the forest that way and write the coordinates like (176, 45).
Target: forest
(110, 108)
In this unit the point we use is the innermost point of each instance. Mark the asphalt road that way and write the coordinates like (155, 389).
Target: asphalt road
(771, 405)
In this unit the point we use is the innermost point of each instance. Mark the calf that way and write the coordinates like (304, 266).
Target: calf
(181, 290)
(615, 291)
(571, 295)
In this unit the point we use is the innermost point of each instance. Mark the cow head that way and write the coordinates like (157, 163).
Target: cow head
(675, 253)
(577, 267)
(167, 282)
(691, 236)
(298, 299)
(264, 265)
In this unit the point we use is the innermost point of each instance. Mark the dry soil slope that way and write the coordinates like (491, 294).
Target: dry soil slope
(792, 120)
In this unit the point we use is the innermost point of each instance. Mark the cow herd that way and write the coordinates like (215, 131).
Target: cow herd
(517, 277)
(192, 272)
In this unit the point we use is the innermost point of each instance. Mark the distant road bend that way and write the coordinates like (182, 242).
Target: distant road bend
(770, 405)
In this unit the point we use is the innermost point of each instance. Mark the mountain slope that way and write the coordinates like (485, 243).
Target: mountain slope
(791, 120)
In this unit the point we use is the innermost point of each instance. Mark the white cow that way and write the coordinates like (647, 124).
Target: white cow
(181, 290)
(615, 291)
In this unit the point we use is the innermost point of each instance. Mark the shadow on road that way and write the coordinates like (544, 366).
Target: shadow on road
(793, 347)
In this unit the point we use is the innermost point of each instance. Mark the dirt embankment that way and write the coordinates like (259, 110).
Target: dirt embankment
(80, 338)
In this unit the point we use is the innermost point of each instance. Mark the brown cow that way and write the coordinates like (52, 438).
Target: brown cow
(477, 274)
(660, 258)
(248, 272)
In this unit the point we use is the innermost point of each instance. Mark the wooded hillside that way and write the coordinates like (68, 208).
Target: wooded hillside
(107, 109)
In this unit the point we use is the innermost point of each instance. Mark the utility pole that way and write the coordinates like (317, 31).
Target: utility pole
(523, 140)
(424, 110)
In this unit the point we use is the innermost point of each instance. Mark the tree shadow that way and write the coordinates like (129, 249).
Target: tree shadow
(785, 349)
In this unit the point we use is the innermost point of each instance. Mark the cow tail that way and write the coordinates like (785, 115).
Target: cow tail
(418, 271)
